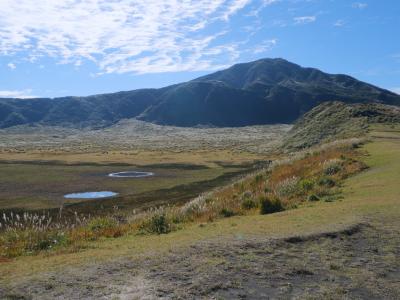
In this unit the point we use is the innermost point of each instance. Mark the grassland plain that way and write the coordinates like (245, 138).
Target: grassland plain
(42, 186)
(344, 249)
(38, 165)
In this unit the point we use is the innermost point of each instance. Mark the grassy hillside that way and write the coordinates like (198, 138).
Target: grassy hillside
(337, 120)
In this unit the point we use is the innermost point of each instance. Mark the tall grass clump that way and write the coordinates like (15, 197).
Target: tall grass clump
(332, 166)
(287, 187)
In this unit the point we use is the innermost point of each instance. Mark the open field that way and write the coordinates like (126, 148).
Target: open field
(42, 186)
(139, 143)
(333, 250)
(39, 165)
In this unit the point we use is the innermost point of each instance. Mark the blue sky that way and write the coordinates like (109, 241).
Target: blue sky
(82, 47)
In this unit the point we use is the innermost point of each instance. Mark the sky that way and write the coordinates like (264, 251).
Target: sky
(82, 47)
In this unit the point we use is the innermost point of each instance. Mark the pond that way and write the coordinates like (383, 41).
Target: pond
(131, 174)
(90, 195)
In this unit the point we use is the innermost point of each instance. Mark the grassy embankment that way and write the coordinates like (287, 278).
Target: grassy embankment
(370, 196)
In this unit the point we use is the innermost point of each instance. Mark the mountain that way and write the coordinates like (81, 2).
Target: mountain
(262, 92)
(330, 121)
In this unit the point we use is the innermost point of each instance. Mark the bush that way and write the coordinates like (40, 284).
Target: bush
(226, 213)
(313, 197)
(270, 205)
(306, 184)
(158, 223)
(333, 166)
(249, 203)
(326, 181)
(50, 240)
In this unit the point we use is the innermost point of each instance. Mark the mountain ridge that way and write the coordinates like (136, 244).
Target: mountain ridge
(265, 91)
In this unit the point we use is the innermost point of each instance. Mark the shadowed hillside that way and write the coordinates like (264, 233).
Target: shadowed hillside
(266, 91)
(336, 120)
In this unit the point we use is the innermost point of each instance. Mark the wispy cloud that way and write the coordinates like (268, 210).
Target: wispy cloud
(11, 66)
(360, 5)
(123, 35)
(257, 9)
(23, 94)
(304, 20)
(339, 23)
(265, 46)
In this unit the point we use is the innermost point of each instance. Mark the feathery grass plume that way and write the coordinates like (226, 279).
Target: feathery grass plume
(332, 166)
(287, 187)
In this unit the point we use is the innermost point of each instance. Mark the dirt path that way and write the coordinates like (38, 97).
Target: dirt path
(356, 263)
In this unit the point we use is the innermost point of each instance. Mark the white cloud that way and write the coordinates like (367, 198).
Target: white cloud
(232, 9)
(255, 11)
(139, 36)
(265, 46)
(396, 90)
(360, 5)
(23, 94)
(11, 66)
(339, 23)
(304, 20)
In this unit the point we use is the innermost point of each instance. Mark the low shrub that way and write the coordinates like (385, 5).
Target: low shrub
(158, 223)
(306, 185)
(249, 203)
(332, 166)
(226, 213)
(313, 197)
(270, 205)
(326, 181)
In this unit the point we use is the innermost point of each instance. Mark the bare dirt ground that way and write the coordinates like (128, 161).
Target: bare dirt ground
(359, 262)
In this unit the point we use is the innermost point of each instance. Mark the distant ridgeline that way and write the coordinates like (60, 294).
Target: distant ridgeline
(337, 120)
(266, 91)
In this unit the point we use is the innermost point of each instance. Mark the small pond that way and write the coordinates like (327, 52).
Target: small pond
(131, 174)
(90, 195)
